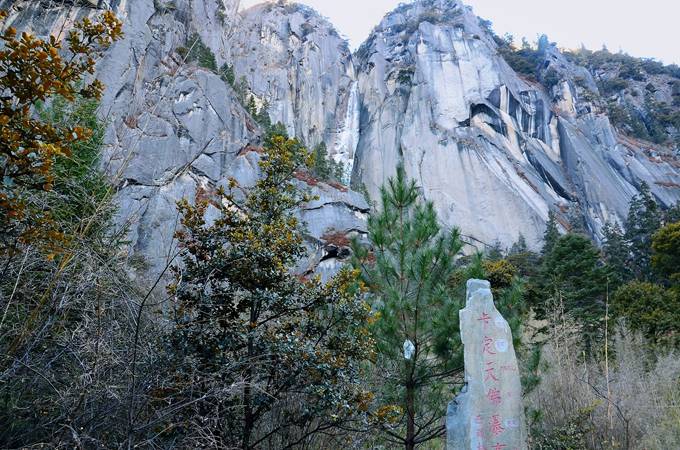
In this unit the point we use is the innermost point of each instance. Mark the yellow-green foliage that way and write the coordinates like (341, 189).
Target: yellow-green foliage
(666, 252)
(650, 309)
(33, 70)
(244, 319)
(500, 273)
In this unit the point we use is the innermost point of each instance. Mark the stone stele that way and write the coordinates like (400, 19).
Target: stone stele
(488, 413)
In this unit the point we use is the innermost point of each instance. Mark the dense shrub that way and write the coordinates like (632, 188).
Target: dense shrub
(613, 85)
(199, 53)
(551, 78)
(227, 74)
(650, 309)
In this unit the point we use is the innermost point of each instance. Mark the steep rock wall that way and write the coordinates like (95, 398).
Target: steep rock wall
(301, 70)
(428, 89)
(176, 131)
(437, 97)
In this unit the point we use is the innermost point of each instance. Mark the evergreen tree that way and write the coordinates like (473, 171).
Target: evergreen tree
(198, 53)
(673, 214)
(242, 88)
(32, 71)
(265, 358)
(543, 43)
(326, 168)
(276, 130)
(572, 279)
(419, 358)
(227, 74)
(666, 254)
(616, 252)
(495, 252)
(520, 246)
(649, 308)
(644, 218)
(262, 116)
(576, 220)
(251, 107)
(551, 234)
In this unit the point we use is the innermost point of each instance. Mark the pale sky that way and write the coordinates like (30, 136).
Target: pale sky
(650, 28)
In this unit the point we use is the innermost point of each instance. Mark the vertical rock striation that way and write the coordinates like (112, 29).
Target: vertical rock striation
(494, 151)
(437, 96)
(300, 70)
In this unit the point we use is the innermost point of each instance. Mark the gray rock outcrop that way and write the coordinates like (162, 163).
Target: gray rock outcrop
(178, 131)
(494, 151)
(437, 96)
(488, 413)
(300, 69)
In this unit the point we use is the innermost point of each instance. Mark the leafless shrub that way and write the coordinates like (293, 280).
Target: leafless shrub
(629, 399)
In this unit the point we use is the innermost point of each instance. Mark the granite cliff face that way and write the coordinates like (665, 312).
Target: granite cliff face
(493, 151)
(178, 131)
(299, 68)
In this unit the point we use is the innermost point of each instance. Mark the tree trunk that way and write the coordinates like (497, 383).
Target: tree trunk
(249, 415)
(410, 416)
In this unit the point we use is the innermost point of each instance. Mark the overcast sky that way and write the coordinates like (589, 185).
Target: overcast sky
(649, 28)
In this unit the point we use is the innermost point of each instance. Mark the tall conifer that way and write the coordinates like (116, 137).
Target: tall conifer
(419, 355)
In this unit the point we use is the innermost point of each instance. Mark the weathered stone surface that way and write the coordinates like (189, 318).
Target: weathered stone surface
(488, 413)
(493, 151)
(176, 131)
(296, 63)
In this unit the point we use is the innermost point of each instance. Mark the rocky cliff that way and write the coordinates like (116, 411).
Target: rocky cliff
(493, 150)
(437, 96)
(179, 131)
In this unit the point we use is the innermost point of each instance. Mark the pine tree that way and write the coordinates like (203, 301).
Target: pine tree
(407, 273)
(227, 74)
(573, 279)
(324, 167)
(252, 107)
(616, 252)
(495, 252)
(551, 234)
(644, 219)
(673, 214)
(520, 246)
(242, 88)
(265, 358)
(262, 116)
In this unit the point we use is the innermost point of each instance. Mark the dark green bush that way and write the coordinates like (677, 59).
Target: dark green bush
(227, 74)
(551, 78)
(199, 53)
(613, 85)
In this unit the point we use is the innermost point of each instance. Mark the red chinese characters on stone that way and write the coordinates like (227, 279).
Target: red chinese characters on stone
(495, 425)
(494, 396)
(490, 372)
(499, 446)
(487, 346)
(484, 318)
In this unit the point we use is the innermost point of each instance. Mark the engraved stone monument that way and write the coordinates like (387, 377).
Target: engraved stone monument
(488, 413)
